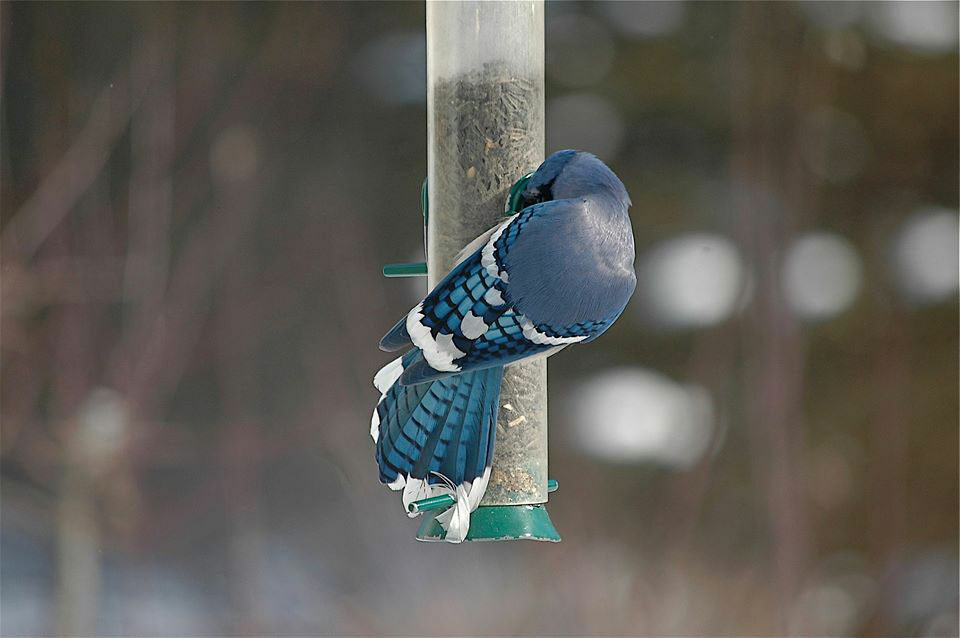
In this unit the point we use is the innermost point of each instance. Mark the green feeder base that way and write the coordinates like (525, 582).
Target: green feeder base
(499, 523)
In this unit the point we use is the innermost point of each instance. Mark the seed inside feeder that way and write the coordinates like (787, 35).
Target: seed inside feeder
(487, 128)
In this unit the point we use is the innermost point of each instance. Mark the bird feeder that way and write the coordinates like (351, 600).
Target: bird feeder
(485, 129)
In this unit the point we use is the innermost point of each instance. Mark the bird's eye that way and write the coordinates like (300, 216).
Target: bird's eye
(516, 200)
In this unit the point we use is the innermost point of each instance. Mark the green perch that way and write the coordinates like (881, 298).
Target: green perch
(439, 502)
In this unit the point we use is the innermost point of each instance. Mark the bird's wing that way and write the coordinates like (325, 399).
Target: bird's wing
(468, 291)
(470, 321)
(570, 264)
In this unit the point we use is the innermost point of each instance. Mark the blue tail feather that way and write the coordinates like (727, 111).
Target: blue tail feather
(447, 426)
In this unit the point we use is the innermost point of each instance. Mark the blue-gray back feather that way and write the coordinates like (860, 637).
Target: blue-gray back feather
(572, 262)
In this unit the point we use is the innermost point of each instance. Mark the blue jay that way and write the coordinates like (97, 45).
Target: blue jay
(557, 272)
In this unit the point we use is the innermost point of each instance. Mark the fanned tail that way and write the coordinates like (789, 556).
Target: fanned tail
(437, 438)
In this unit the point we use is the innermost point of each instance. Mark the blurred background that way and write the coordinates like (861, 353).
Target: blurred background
(197, 200)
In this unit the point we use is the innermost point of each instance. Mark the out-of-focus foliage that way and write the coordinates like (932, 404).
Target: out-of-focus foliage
(196, 202)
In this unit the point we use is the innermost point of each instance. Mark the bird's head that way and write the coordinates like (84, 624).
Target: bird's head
(564, 175)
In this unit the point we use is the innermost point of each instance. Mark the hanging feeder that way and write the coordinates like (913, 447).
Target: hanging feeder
(485, 129)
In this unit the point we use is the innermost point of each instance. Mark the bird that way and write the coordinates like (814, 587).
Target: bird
(558, 271)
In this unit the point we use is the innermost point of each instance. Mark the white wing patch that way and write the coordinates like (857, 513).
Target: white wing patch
(383, 381)
(493, 297)
(472, 326)
(530, 332)
(487, 258)
(375, 425)
(439, 352)
(388, 375)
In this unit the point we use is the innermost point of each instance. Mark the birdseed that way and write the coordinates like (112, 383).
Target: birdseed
(486, 132)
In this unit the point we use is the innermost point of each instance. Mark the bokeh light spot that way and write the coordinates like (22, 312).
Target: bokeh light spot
(821, 275)
(926, 255)
(634, 414)
(925, 27)
(695, 280)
